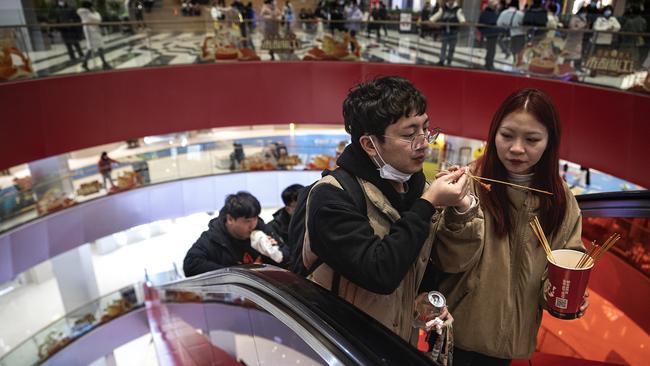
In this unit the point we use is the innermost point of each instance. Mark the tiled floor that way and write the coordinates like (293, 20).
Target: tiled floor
(147, 48)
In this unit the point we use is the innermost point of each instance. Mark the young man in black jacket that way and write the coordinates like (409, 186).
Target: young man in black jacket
(279, 226)
(227, 242)
(380, 257)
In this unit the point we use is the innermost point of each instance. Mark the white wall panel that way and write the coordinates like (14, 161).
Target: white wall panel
(63, 230)
(36, 241)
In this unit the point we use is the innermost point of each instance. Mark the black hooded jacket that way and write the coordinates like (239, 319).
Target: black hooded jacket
(343, 238)
(216, 249)
(279, 226)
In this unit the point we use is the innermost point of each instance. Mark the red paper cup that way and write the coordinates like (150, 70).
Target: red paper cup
(566, 284)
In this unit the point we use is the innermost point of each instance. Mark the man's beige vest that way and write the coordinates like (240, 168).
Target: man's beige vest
(395, 311)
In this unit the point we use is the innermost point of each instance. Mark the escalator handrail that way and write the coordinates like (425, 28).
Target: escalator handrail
(615, 204)
(360, 337)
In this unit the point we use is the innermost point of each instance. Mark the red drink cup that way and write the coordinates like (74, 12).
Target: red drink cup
(566, 284)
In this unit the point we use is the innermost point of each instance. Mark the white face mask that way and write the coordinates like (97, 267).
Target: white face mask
(387, 171)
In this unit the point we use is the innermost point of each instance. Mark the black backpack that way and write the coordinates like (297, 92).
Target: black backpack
(297, 224)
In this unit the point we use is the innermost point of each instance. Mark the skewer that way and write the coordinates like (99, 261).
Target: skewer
(599, 251)
(476, 177)
(539, 232)
(585, 255)
(543, 236)
(608, 244)
(488, 187)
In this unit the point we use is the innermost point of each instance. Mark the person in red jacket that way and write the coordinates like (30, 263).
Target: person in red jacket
(105, 166)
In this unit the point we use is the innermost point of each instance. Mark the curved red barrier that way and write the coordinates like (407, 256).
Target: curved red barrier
(603, 129)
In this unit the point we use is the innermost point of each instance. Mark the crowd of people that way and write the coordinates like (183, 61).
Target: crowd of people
(515, 27)
(502, 25)
(377, 234)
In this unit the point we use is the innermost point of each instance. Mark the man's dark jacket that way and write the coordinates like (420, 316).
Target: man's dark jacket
(279, 226)
(489, 17)
(216, 249)
(343, 238)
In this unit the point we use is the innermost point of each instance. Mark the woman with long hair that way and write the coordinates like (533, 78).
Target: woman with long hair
(494, 266)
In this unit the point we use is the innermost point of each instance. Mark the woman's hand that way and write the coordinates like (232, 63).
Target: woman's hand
(585, 304)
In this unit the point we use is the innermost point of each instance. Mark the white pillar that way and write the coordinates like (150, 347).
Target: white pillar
(75, 275)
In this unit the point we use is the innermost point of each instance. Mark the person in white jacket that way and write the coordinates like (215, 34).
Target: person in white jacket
(94, 39)
(605, 22)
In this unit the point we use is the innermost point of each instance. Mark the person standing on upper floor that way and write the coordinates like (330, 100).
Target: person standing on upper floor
(71, 35)
(489, 16)
(452, 13)
(552, 21)
(105, 167)
(494, 266)
(249, 24)
(573, 45)
(353, 17)
(231, 238)
(605, 25)
(271, 17)
(426, 13)
(593, 12)
(383, 17)
(536, 16)
(372, 19)
(94, 39)
(633, 23)
(375, 258)
(288, 16)
(511, 19)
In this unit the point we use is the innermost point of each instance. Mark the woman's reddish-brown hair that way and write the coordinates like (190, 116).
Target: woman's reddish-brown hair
(547, 173)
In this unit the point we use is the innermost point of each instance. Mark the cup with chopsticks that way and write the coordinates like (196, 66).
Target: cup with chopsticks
(568, 274)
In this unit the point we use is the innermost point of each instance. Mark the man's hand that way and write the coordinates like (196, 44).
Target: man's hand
(441, 321)
(449, 189)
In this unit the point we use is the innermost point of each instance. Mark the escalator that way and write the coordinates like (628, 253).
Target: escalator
(261, 315)
(305, 324)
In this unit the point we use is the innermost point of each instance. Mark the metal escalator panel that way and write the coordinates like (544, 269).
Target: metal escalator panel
(615, 204)
(625, 213)
(261, 315)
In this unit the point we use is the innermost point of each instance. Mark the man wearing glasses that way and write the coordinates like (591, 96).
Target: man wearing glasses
(378, 257)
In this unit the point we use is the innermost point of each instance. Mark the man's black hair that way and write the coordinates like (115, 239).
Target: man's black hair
(372, 106)
(241, 204)
(290, 194)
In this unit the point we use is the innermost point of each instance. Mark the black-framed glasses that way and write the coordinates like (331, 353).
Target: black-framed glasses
(420, 140)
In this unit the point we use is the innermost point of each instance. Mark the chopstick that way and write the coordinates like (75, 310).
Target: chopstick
(539, 232)
(605, 247)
